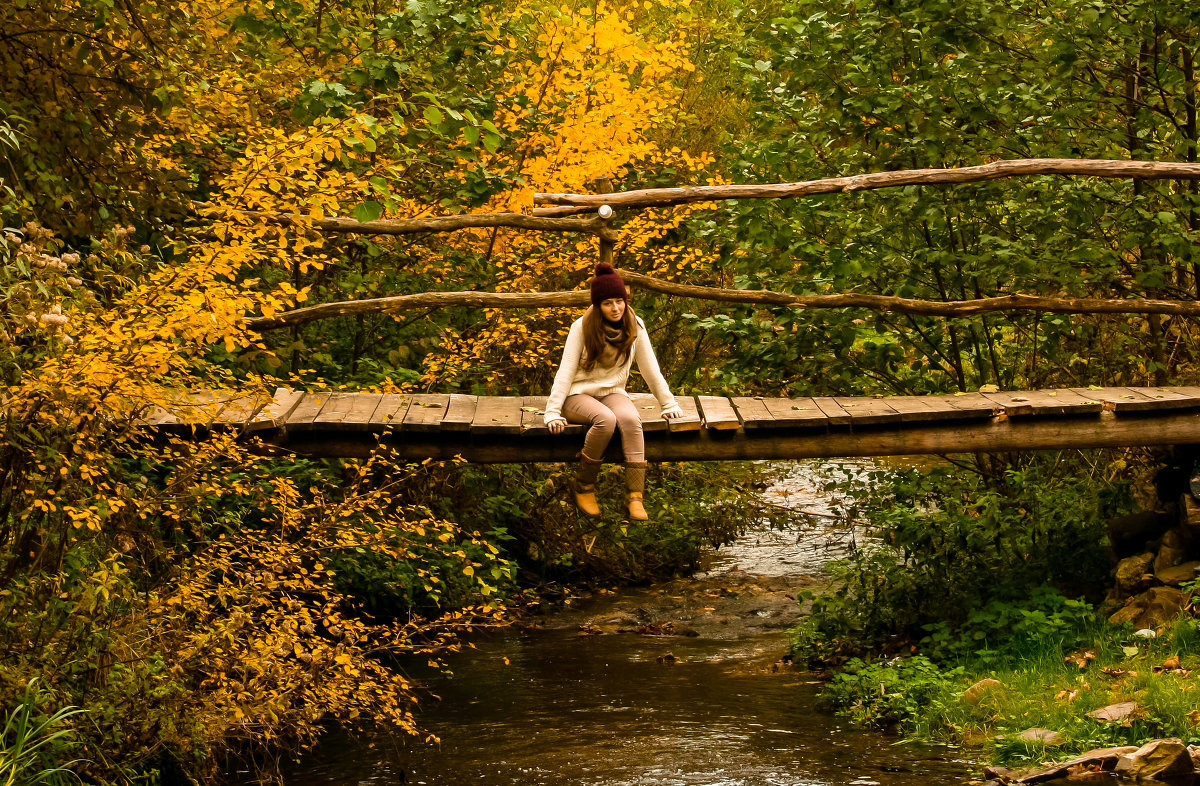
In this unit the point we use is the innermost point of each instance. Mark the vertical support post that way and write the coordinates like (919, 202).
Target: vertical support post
(603, 185)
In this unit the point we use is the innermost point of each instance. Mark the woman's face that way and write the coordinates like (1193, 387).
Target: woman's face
(613, 308)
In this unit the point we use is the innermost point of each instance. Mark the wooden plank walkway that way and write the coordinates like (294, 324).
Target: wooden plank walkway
(502, 429)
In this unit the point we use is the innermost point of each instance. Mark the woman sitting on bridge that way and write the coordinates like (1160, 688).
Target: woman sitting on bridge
(589, 388)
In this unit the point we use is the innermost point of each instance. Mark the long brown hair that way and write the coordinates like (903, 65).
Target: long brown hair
(594, 339)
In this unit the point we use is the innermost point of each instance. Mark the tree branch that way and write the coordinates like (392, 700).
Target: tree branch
(409, 226)
(761, 297)
(996, 170)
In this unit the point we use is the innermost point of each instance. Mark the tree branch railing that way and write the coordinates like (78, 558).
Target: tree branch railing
(1022, 167)
(411, 226)
(760, 297)
(551, 219)
(556, 218)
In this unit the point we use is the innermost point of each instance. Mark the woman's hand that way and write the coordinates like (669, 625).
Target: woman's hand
(670, 413)
(557, 426)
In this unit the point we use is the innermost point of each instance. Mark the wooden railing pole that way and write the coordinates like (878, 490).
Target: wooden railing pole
(603, 185)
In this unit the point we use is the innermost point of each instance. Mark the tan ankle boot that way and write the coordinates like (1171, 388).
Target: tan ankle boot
(583, 486)
(635, 487)
(637, 511)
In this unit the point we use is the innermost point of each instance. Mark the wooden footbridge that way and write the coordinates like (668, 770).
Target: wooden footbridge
(510, 429)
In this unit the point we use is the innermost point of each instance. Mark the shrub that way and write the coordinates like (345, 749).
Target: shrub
(957, 560)
(895, 692)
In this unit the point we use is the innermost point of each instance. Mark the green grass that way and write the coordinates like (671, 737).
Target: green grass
(29, 739)
(1051, 688)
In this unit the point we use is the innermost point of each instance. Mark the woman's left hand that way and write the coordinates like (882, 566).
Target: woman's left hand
(670, 413)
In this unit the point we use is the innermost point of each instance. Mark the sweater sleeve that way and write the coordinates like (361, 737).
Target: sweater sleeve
(567, 368)
(647, 363)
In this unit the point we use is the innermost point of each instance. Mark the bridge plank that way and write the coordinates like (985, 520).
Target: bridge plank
(752, 412)
(649, 411)
(691, 415)
(276, 411)
(1078, 403)
(533, 416)
(238, 411)
(390, 411)
(348, 411)
(718, 413)
(185, 410)
(1026, 403)
(1191, 392)
(833, 411)
(305, 412)
(359, 417)
(497, 415)
(796, 413)
(425, 412)
(1137, 399)
(460, 412)
(916, 409)
(977, 404)
(867, 411)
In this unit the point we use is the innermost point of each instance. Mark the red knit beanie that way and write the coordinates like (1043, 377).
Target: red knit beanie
(607, 284)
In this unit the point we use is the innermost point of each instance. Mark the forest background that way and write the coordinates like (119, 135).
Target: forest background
(203, 604)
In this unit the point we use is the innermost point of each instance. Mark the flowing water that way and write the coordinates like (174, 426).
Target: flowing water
(684, 683)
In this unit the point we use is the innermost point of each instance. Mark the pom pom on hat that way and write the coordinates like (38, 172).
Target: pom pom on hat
(607, 284)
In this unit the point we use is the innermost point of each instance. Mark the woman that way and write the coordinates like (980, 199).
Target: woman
(589, 388)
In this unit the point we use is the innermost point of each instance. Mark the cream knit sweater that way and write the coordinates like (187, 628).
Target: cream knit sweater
(601, 381)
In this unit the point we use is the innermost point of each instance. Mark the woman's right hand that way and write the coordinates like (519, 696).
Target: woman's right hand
(557, 426)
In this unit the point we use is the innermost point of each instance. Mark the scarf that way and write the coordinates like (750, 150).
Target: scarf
(613, 336)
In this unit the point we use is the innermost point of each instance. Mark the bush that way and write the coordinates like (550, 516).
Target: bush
(956, 559)
(188, 593)
(895, 692)
(1003, 631)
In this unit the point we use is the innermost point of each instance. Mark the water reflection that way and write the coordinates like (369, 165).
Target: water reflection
(827, 524)
(551, 707)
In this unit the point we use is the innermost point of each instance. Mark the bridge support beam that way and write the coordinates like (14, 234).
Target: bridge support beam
(993, 435)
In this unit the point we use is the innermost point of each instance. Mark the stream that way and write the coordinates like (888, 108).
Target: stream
(684, 684)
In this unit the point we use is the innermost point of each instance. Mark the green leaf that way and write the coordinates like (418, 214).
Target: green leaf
(367, 211)
(434, 115)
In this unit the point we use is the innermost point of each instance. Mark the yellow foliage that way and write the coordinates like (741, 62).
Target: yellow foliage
(587, 100)
(200, 630)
